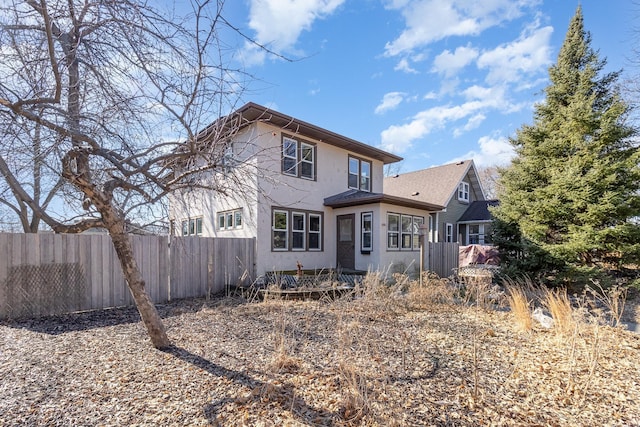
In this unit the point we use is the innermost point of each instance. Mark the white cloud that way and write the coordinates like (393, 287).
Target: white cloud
(427, 21)
(449, 63)
(529, 54)
(399, 138)
(403, 65)
(492, 152)
(389, 102)
(278, 24)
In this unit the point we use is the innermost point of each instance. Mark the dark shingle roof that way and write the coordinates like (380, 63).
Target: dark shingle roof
(478, 211)
(357, 198)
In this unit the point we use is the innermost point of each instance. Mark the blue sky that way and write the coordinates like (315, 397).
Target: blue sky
(433, 81)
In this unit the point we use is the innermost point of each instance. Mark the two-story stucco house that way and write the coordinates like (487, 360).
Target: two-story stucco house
(456, 186)
(308, 196)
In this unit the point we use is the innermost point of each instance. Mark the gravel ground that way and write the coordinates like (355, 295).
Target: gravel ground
(392, 362)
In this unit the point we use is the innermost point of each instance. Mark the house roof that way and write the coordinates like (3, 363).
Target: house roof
(357, 198)
(478, 211)
(436, 185)
(252, 112)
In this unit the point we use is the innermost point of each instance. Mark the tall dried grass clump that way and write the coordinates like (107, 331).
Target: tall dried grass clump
(557, 302)
(520, 306)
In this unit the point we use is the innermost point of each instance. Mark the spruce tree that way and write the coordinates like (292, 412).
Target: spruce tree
(570, 200)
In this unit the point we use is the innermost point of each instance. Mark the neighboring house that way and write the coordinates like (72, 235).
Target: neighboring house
(475, 224)
(308, 196)
(456, 186)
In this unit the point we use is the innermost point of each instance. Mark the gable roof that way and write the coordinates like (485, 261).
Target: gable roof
(252, 112)
(358, 198)
(435, 185)
(478, 211)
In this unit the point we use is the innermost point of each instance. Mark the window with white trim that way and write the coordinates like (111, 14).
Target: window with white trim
(298, 158)
(294, 230)
(366, 236)
(192, 227)
(229, 220)
(463, 192)
(418, 222)
(449, 232)
(476, 234)
(403, 231)
(315, 231)
(298, 231)
(359, 174)
(280, 233)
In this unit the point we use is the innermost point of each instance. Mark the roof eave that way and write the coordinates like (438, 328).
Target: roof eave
(252, 112)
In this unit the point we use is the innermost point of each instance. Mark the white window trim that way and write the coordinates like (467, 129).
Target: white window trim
(318, 232)
(285, 230)
(286, 140)
(359, 174)
(364, 232)
(302, 231)
(448, 236)
(463, 192)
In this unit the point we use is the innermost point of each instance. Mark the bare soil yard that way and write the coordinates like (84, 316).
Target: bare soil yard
(385, 359)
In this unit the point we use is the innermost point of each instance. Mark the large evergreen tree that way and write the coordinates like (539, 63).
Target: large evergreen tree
(570, 199)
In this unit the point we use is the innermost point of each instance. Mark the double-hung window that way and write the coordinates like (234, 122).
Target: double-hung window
(298, 231)
(403, 231)
(294, 230)
(359, 174)
(463, 192)
(449, 232)
(366, 243)
(298, 158)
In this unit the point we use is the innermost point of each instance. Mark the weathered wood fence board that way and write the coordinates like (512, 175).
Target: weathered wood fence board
(46, 274)
(443, 258)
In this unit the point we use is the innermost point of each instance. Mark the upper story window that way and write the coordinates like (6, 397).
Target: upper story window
(359, 174)
(463, 192)
(298, 158)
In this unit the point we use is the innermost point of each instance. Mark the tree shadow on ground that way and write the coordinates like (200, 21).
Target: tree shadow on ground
(87, 320)
(282, 395)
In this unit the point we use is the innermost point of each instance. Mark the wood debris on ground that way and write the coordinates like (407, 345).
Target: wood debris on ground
(315, 363)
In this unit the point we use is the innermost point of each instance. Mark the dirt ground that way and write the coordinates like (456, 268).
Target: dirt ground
(381, 360)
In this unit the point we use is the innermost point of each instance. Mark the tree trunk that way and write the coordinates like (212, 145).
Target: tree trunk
(146, 308)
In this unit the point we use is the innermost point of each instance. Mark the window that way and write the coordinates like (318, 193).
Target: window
(403, 231)
(314, 231)
(407, 232)
(449, 233)
(463, 192)
(192, 227)
(359, 174)
(280, 230)
(418, 222)
(476, 234)
(366, 244)
(228, 158)
(298, 158)
(296, 230)
(393, 228)
(229, 220)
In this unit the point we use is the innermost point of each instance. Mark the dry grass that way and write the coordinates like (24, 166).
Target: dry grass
(557, 302)
(398, 353)
(520, 306)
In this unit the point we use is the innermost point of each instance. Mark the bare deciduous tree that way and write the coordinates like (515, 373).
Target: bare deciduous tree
(119, 93)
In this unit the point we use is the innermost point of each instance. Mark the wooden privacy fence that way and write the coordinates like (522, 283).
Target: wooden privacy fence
(441, 257)
(47, 274)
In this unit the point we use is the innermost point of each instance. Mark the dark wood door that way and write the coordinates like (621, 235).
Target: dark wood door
(346, 248)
